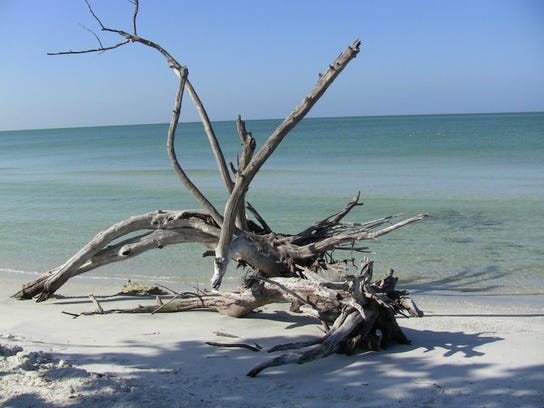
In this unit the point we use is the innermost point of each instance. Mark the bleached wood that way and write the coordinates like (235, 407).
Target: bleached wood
(284, 266)
(244, 178)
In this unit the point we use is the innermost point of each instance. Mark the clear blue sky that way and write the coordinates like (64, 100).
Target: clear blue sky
(259, 58)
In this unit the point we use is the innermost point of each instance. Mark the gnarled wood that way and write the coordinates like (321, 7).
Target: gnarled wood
(360, 314)
(269, 254)
(284, 267)
(244, 178)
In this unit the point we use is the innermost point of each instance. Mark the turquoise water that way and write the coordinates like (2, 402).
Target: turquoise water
(480, 177)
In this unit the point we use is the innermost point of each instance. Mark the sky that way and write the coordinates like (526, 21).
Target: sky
(260, 58)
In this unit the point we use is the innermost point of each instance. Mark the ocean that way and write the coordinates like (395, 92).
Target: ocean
(480, 177)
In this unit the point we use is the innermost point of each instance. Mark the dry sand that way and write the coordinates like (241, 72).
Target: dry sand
(469, 350)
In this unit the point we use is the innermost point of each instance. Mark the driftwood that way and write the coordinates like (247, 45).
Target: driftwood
(358, 314)
(255, 347)
(282, 267)
(270, 254)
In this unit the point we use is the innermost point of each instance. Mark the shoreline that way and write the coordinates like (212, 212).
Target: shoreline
(469, 350)
(232, 281)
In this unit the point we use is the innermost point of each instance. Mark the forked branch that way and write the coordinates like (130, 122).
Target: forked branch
(355, 312)
(245, 177)
(237, 238)
(182, 73)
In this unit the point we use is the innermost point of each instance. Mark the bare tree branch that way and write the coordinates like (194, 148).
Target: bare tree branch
(92, 50)
(284, 268)
(135, 15)
(245, 177)
(329, 243)
(248, 148)
(182, 73)
(264, 225)
(94, 15)
(173, 158)
(94, 35)
(166, 228)
(268, 253)
(216, 148)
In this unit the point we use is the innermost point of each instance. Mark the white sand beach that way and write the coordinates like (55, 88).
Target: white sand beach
(470, 350)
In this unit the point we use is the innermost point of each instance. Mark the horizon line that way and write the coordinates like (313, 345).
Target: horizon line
(279, 119)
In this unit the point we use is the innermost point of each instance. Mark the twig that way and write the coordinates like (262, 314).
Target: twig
(94, 15)
(74, 315)
(136, 7)
(166, 304)
(94, 35)
(223, 334)
(101, 49)
(256, 347)
(259, 218)
(168, 289)
(99, 309)
(179, 294)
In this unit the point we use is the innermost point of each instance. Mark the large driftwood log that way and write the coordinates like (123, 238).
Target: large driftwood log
(366, 319)
(356, 313)
(268, 254)
(283, 268)
(231, 235)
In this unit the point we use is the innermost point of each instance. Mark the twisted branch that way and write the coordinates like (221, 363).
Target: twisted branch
(244, 178)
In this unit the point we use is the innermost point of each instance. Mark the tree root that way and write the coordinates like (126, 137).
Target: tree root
(355, 309)
(360, 314)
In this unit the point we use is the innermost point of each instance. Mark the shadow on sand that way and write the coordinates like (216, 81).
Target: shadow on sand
(190, 374)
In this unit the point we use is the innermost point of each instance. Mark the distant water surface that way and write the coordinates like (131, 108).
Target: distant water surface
(480, 177)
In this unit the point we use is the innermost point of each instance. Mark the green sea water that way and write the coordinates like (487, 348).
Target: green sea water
(479, 177)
